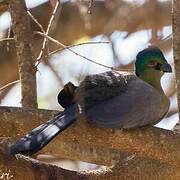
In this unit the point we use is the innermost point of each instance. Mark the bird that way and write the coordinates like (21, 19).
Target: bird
(110, 99)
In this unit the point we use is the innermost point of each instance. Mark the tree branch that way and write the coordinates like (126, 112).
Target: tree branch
(23, 36)
(130, 167)
(176, 50)
(149, 142)
(21, 167)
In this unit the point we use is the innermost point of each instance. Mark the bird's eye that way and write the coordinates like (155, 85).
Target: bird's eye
(152, 64)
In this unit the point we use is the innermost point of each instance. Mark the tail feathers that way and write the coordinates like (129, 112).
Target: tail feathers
(43, 134)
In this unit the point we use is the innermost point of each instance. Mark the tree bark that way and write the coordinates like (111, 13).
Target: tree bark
(176, 50)
(23, 37)
(130, 167)
(153, 143)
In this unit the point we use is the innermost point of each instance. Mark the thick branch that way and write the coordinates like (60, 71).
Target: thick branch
(95, 155)
(131, 167)
(23, 36)
(176, 47)
(137, 168)
(150, 142)
(21, 167)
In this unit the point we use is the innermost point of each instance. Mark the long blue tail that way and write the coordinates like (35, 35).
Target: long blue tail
(43, 134)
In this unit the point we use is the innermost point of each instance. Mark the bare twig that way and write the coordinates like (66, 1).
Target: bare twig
(45, 34)
(47, 31)
(36, 21)
(66, 47)
(6, 39)
(57, 42)
(167, 37)
(75, 45)
(46, 62)
(161, 41)
(82, 56)
(9, 84)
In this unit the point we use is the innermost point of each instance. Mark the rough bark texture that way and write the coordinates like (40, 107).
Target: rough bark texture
(95, 155)
(23, 37)
(176, 50)
(131, 167)
(21, 168)
(137, 169)
(150, 142)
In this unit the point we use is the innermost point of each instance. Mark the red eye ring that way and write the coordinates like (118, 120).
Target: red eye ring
(152, 64)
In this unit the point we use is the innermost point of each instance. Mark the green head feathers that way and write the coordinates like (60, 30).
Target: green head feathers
(151, 57)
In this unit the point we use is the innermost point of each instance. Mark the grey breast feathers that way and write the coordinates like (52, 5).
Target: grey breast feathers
(119, 101)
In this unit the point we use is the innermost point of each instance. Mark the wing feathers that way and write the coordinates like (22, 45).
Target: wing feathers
(43, 134)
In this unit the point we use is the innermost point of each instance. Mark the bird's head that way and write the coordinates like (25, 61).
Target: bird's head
(151, 59)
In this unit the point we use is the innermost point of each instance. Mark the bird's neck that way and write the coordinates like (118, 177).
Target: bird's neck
(153, 77)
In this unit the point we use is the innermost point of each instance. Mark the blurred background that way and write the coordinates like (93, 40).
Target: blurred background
(121, 27)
